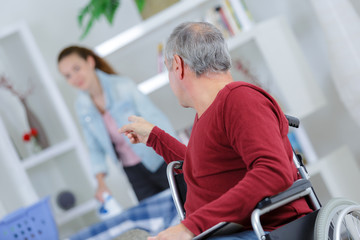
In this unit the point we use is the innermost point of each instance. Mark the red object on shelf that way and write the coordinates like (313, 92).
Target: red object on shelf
(34, 132)
(26, 137)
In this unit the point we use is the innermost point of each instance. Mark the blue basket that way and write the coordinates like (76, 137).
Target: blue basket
(35, 222)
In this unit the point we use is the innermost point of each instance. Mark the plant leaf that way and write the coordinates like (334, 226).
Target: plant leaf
(111, 9)
(94, 10)
(87, 29)
(82, 13)
(98, 8)
(140, 5)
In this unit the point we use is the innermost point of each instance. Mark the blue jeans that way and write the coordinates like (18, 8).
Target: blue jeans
(246, 235)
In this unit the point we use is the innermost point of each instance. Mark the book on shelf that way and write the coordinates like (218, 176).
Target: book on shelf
(248, 13)
(160, 58)
(297, 145)
(213, 16)
(232, 13)
(242, 14)
(302, 145)
(227, 19)
(230, 17)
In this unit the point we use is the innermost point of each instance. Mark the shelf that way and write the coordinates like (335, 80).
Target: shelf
(48, 154)
(240, 39)
(278, 50)
(141, 30)
(339, 173)
(154, 83)
(160, 80)
(77, 211)
(56, 167)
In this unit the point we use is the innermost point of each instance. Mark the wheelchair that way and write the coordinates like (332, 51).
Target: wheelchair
(339, 219)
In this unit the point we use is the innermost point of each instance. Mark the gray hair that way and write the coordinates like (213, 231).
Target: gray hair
(202, 47)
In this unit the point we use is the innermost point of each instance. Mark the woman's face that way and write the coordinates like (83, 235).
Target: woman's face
(79, 72)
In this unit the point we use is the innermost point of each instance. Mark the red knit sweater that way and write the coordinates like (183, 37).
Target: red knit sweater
(238, 153)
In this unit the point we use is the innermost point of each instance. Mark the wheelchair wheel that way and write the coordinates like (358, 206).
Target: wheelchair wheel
(332, 214)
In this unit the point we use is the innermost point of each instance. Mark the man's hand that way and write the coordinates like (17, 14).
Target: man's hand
(138, 131)
(178, 232)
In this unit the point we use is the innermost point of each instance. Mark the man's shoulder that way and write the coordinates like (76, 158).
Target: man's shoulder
(240, 85)
(246, 93)
(243, 89)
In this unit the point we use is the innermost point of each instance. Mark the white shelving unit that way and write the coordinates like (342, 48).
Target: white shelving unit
(270, 47)
(48, 154)
(272, 41)
(162, 19)
(273, 48)
(63, 165)
(336, 175)
(294, 83)
(77, 211)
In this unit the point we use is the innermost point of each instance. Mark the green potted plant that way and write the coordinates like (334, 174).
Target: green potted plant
(107, 8)
(97, 8)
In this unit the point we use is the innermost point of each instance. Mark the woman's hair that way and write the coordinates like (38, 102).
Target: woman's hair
(83, 52)
(202, 47)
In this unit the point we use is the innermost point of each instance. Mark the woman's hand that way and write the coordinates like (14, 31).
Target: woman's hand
(101, 187)
(138, 130)
(178, 232)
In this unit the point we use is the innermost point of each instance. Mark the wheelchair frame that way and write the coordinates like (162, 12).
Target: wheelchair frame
(300, 229)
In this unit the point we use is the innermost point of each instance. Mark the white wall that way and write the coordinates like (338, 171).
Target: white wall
(331, 126)
(54, 25)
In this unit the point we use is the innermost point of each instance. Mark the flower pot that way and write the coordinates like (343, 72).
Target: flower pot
(152, 7)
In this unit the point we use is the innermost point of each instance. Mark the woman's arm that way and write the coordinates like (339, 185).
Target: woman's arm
(102, 187)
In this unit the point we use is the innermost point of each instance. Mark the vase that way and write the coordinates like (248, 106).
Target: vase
(33, 146)
(34, 122)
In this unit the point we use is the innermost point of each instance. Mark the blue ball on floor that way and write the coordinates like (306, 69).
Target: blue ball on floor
(66, 200)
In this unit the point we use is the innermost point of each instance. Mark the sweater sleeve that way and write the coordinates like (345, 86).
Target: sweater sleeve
(257, 131)
(166, 146)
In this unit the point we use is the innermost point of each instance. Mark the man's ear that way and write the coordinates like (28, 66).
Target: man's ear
(179, 66)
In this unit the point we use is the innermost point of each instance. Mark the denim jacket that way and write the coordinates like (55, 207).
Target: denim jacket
(122, 99)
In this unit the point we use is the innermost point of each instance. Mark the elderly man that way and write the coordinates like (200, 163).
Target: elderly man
(238, 152)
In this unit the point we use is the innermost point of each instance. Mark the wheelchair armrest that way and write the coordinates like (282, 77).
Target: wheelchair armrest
(297, 187)
(220, 229)
(297, 190)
